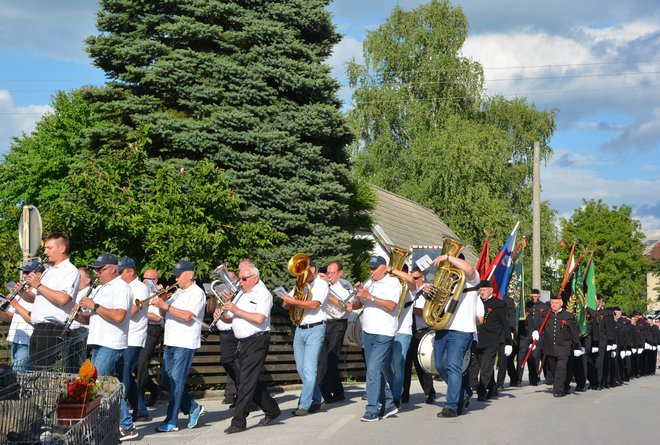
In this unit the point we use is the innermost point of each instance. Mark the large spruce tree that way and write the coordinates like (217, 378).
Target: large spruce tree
(244, 84)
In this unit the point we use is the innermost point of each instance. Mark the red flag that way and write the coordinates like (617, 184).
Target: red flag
(484, 259)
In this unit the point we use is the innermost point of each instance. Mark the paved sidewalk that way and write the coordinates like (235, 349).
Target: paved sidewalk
(626, 414)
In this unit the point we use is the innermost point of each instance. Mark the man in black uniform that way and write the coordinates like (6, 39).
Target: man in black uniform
(506, 364)
(605, 321)
(536, 312)
(560, 336)
(493, 331)
(592, 348)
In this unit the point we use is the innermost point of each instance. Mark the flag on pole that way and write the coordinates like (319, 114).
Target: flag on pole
(484, 259)
(589, 285)
(500, 269)
(515, 288)
(576, 301)
(568, 273)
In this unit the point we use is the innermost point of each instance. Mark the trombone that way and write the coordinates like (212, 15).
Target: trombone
(164, 293)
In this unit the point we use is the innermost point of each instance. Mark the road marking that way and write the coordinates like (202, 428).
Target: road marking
(338, 425)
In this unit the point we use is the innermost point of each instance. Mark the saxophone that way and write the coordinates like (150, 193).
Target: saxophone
(448, 284)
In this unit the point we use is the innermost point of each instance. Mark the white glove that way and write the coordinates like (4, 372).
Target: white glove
(655, 348)
(647, 346)
(634, 351)
(594, 349)
(535, 335)
(577, 352)
(614, 347)
(609, 348)
(513, 336)
(508, 349)
(613, 354)
(622, 354)
(532, 346)
(628, 353)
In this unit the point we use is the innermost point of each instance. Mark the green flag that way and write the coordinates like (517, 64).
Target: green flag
(576, 301)
(589, 285)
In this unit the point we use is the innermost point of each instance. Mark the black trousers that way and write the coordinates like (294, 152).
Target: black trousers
(252, 352)
(557, 365)
(601, 361)
(76, 349)
(532, 361)
(576, 367)
(154, 338)
(229, 361)
(330, 357)
(44, 341)
(506, 365)
(482, 369)
(425, 379)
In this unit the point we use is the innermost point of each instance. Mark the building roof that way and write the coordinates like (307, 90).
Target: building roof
(652, 250)
(407, 223)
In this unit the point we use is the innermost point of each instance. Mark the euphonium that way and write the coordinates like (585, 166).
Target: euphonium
(222, 281)
(448, 284)
(298, 267)
(398, 258)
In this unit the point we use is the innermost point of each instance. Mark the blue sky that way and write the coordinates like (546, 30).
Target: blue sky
(596, 61)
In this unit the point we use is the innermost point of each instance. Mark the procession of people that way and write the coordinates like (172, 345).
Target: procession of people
(121, 319)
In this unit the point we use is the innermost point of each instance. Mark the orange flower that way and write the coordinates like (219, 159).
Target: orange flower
(87, 372)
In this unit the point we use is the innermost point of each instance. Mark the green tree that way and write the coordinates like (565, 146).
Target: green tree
(243, 84)
(620, 266)
(425, 131)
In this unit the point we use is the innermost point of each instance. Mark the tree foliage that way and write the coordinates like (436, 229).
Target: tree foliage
(425, 130)
(244, 85)
(617, 242)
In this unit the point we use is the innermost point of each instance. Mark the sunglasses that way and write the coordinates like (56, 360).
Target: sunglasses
(245, 278)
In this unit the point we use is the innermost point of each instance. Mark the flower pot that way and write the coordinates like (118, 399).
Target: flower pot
(72, 413)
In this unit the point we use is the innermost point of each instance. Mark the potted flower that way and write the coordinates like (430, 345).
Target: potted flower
(79, 396)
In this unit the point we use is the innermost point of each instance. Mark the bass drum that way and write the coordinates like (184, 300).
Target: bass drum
(426, 356)
(353, 335)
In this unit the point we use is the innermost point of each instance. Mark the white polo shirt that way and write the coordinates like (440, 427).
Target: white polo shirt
(376, 320)
(182, 334)
(260, 300)
(114, 294)
(420, 323)
(85, 292)
(137, 327)
(19, 329)
(64, 277)
(464, 319)
(405, 320)
(320, 294)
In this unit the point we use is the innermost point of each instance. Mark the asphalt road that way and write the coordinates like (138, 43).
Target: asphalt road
(623, 415)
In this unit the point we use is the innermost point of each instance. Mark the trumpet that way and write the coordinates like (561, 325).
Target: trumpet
(160, 294)
(77, 309)
(17, 289)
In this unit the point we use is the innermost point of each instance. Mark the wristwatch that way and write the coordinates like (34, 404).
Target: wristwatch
(372, 298)
(96, 306)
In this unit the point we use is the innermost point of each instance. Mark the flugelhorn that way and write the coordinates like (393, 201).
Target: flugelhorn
(298, 266)
(448, 284)
(17, 289)
(160, 294)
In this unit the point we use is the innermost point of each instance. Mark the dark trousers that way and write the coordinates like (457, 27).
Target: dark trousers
(592, 371)
(532, 361)
(557, 365)
(576, 367)
(252, 353)
(76, 349)
(329, 359)
(506, 365)
(44, 341)
(601, 360)
(154, 338)
(482, 368)
(425, 379)
(229, 361)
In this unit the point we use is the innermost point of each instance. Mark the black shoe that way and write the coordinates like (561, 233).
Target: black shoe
(558, 394)
(234, 429)
(142, 418)
(481, 398)
(229, 401)
(267, 420)
(515, 384)
(429, 399)
(447, 412)
(317, 408)
(463, 406)
(534, 384)
(299, 412)
(580, 389)
(364, 397)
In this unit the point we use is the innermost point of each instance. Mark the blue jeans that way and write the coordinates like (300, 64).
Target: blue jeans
(20, 358)
(307, 345)
(450, 347)
(377, 349)
(105, 360)
(394, 373)
(176, 365)
(125, 366)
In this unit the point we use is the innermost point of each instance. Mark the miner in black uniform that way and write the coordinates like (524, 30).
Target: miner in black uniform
(560, 337)
(506, 364)
(619, 331)
(605, 322)
(536, 312)
(592, 348)
(493, 331)
(638, 344)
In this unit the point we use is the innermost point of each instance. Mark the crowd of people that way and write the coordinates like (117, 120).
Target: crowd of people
(122, 319)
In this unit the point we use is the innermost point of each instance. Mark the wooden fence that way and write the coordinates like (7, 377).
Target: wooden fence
(280, 366)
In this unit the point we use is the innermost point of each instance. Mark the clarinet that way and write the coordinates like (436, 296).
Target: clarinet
(5, 304)
(77, 309)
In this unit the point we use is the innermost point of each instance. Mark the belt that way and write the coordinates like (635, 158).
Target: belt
(339, 320)
(307, 326)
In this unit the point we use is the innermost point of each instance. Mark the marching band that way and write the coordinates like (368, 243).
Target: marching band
(403, 322)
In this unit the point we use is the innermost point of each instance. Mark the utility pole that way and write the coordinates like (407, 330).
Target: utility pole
(536, 218)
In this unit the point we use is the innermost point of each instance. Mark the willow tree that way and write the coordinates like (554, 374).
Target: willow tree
(245, 85)
(425, 129)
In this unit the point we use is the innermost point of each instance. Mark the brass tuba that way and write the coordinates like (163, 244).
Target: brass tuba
(398, 258)
(298, 267)
(448, 284)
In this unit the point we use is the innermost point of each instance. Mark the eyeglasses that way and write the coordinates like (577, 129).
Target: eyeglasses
(417, 278)
(245, 278)
(99, 271)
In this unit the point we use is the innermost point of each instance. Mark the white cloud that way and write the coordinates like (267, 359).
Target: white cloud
(17, 120)
(620, 35)
(342, 53)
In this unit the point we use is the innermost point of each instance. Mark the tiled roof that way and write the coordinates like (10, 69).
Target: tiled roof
(407, 223)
